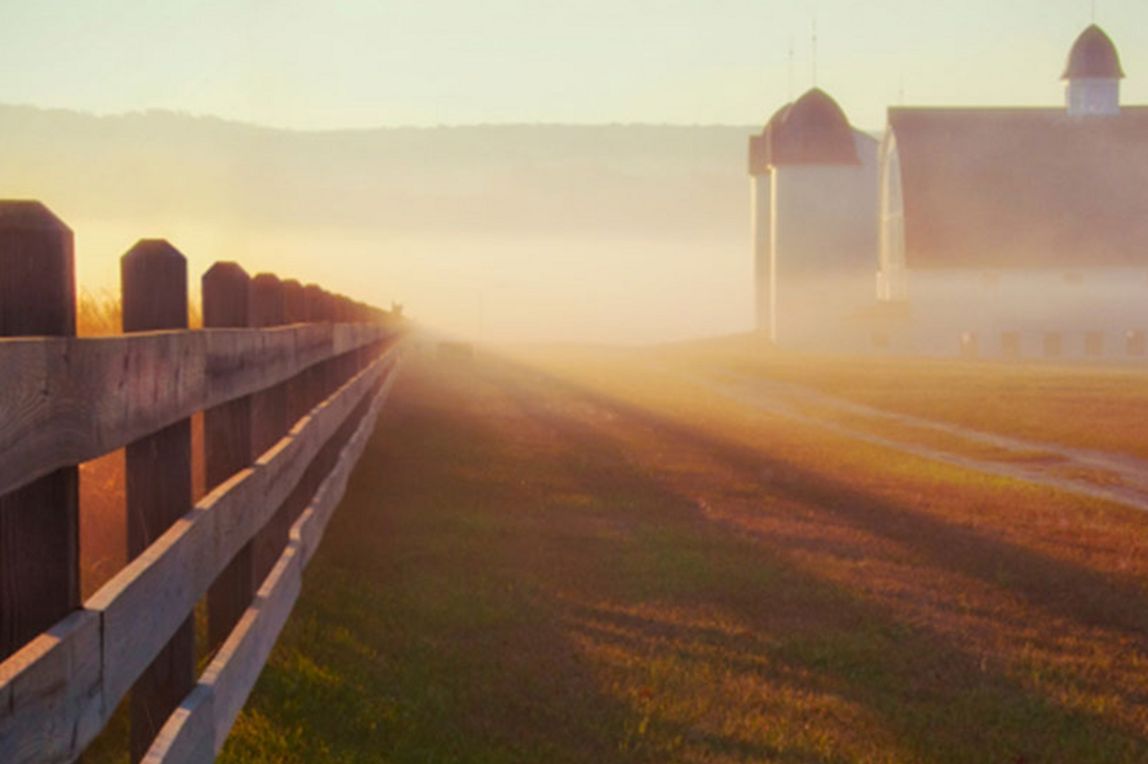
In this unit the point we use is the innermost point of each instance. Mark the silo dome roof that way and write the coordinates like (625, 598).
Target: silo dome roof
(811, 130)
(1093, 56)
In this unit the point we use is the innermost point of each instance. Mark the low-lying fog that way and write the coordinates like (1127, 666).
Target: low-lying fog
(597, 234)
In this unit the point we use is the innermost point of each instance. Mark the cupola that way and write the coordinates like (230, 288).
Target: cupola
(1093, 75)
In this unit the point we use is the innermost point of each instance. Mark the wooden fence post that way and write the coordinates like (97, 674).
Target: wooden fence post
(314, 314)
(313, 303)
(270, 417)
(298, 394)
(331, 367)
(39, 523)
(270, 414)
(158, 479)
(295, 312)
(363, 352)
(347, 364)
(227, 447)
(294, 307)
(364, 355)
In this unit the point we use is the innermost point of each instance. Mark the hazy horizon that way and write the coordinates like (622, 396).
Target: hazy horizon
(161, 111)
(504, 233)
(511, 171)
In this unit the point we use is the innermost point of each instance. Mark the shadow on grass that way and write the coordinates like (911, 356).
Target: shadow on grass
(942, 701)
(1062, 588)
(420, 635)
(491, 550)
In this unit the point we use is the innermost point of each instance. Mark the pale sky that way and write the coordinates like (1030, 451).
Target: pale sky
(362, 63)
(313, 64)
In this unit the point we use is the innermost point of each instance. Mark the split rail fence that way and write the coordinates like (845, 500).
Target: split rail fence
(289, 379)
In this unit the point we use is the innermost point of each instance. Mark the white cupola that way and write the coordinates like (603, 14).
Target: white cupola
(1093, 75)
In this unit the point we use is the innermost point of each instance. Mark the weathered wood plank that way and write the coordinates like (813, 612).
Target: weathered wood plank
(5, 701)
(55, 704)
(244, 361)
(331, 491)
(147, 601)
(134, 615)
(246, 502)
(188, 737)
(241, 659)
(39, 523)
(314, 343)
(144, 605)
(231, 675)
(66, 400)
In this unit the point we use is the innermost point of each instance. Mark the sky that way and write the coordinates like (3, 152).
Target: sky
(311, 65)
(367, 63)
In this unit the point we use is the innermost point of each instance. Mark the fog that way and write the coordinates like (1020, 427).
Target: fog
(598, 234)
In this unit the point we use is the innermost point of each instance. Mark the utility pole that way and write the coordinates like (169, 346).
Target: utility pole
(791, 64)
(814, 50)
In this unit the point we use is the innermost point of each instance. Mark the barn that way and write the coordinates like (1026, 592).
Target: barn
(1015, 232)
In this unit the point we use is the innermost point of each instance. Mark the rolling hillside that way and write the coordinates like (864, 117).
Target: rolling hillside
(514, 231)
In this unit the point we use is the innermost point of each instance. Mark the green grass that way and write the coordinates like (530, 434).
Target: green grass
(609, 568)
(1096, 407)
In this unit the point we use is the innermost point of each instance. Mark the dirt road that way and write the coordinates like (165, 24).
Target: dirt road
(1094, 474)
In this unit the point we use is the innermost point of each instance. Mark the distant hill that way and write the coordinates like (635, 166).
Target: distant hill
(624, 200)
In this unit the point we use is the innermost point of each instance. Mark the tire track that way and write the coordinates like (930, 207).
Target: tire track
(1094, 474)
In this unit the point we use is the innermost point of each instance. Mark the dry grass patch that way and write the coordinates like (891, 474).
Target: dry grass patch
(578, 561)
(1094, 407)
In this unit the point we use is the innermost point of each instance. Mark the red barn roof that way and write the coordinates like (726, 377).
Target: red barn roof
(1093, 56)
(811, 130)
(1022, 187)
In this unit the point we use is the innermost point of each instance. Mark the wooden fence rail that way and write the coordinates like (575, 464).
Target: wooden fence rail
(290, 380)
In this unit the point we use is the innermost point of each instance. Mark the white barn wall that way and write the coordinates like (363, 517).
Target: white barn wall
(946, 302)
(942, 304)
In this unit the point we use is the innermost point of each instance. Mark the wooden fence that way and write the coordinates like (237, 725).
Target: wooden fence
(289, 379)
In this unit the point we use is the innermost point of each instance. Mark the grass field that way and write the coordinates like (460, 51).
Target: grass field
(1080, 405)
(570, 557)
